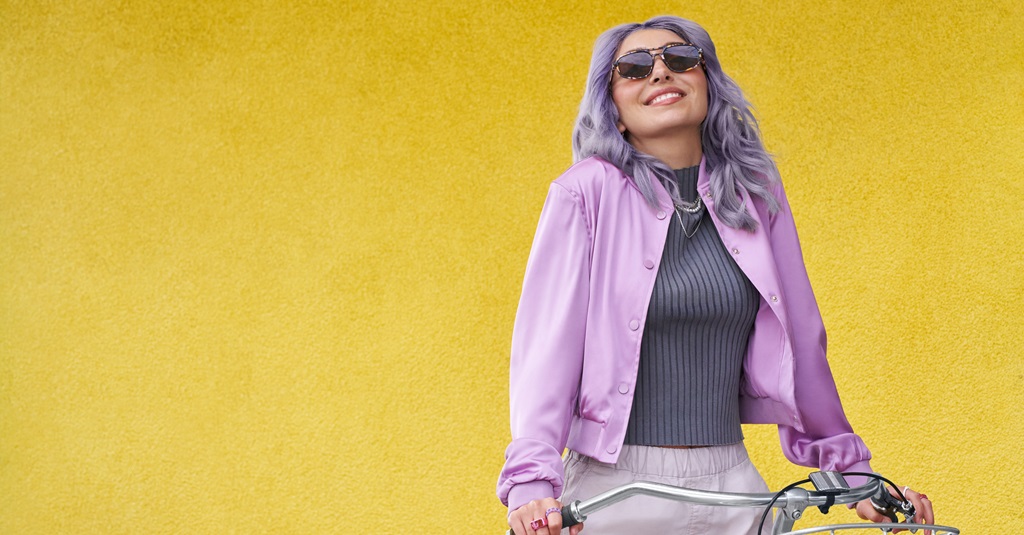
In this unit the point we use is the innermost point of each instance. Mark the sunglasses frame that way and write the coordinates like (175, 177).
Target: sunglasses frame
(661, 54)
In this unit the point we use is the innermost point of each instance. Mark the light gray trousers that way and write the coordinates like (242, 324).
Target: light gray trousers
(717, 468)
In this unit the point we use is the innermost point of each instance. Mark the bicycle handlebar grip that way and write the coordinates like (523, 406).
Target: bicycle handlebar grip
(568, 519)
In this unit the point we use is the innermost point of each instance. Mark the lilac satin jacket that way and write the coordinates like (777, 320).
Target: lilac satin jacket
(576, 339)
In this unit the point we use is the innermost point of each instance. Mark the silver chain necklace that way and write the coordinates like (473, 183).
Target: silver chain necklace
(690, 208)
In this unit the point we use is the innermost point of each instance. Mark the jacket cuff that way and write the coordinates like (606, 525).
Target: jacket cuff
(859, 466)
(525, 493)
(856, 481)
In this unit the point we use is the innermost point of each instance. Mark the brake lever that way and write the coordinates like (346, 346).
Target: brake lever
(887, 504)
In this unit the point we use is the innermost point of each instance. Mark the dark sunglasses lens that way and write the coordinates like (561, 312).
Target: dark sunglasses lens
(681, 58)
(635, 65)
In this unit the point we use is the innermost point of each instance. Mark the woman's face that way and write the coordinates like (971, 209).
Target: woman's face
(665, 103)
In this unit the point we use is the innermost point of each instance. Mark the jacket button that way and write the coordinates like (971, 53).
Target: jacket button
(735, 251)
(661, 215)
(649, 264)
(613, 449)
(775, 299)
(634, 325)
(623, 388)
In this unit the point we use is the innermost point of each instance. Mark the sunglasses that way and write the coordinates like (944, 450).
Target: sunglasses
(638, 64)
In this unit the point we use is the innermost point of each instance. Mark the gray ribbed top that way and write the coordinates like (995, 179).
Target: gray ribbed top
(691, 355)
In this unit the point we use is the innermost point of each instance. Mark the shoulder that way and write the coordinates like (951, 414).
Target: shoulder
(590, 176)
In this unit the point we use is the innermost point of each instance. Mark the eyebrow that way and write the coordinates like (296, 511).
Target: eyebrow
(641, 49)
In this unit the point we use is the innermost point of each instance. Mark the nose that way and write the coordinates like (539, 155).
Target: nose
(660, 71)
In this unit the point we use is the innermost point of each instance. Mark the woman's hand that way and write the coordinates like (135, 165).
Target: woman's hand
(545, 514)
(923, 513)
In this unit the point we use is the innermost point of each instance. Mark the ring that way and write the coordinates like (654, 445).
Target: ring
(538, 523)
(905, 489)
(552, 510)
(924, 496)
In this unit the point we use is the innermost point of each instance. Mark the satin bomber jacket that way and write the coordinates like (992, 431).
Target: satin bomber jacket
(576, 338)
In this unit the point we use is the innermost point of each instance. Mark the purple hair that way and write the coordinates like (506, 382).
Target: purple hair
(730, 138)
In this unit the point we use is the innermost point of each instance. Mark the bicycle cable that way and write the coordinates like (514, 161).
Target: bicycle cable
(791, 486)
(768, 508)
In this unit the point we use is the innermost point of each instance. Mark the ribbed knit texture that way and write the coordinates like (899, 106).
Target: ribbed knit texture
(691, 356)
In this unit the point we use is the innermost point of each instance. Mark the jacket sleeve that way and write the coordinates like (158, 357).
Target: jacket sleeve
(827, 441)
(547, 351)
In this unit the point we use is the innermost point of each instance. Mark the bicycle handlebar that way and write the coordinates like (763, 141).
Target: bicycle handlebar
(705, 497)
(577, 511)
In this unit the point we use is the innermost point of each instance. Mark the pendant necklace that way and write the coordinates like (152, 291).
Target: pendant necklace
(695, 207)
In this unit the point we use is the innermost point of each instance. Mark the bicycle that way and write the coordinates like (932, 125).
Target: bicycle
(830, 489)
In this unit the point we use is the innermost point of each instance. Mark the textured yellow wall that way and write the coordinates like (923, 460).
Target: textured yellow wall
(259, 264)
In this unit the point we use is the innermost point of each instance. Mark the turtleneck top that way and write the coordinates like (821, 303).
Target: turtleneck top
(691, 354)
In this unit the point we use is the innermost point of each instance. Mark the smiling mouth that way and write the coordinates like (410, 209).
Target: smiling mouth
(663, 97)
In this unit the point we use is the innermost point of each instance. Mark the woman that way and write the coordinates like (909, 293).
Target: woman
(665, 302)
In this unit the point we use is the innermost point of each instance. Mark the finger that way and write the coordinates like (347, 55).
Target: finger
(576, 529)
(547, 505)
(517, 525)
(925, 513)
(904, 492)
(554, 518)
(533, 527)
(519, 520)
(537, 521)
(907, 492)
(868, 512)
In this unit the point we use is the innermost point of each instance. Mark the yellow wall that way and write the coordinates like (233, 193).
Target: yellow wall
(259, 265)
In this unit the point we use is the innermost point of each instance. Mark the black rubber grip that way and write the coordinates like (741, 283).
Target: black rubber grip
(568, 520)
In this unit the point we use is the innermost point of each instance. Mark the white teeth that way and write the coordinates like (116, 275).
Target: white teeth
(660, 98)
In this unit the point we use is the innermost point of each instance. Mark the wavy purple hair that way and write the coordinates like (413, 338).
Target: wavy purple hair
(730, 138)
